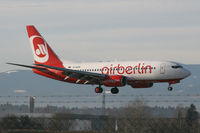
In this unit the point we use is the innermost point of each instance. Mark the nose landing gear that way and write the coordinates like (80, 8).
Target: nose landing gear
(170, 88)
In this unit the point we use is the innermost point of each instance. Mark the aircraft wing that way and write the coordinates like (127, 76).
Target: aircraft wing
(89, 77)
(33, 67)
(80, 75)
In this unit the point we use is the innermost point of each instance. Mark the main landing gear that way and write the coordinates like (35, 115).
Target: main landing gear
(99, 89)
(114, 90)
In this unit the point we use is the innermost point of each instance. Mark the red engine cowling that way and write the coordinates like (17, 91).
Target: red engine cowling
(142, 85)
(115, 81)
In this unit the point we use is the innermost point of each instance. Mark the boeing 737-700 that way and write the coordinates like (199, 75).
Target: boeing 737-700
(137, 74)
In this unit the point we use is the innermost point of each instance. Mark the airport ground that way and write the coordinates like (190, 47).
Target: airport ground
(136, 117)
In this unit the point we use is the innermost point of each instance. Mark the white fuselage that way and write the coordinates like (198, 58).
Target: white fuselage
(136, 70)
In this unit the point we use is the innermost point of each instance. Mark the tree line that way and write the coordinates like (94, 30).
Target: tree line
(135, 118)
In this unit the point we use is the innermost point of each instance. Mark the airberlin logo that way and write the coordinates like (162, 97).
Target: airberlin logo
(141, 68)
(39, 47)
(41, 50)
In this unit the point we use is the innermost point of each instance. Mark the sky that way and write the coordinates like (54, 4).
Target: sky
(102, 30)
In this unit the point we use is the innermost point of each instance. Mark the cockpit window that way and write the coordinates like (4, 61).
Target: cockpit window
(178, 66)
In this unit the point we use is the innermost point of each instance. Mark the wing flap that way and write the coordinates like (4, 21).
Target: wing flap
(81, 75)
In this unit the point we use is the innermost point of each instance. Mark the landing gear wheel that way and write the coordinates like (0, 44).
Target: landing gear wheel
(98, 90)
(114, 90)
(170, 88)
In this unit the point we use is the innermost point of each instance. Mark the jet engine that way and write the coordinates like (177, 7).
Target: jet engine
(115, 81)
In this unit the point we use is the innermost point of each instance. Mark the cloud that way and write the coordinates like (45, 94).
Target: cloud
(20, 91)
(103, 6)
(97, 30)
(195, 77)
(62, 13)
(11, 71)
(131, 34)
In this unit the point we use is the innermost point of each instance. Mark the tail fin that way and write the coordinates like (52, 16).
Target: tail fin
(42, 52)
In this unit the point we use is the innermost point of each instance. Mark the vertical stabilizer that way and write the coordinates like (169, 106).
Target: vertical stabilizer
(42, 52)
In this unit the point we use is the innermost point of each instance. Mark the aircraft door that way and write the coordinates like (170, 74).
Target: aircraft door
(162, 68)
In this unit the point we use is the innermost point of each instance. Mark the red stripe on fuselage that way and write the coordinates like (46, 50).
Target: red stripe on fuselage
(171, 81)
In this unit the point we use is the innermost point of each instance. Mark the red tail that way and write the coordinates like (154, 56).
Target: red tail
(42, 52)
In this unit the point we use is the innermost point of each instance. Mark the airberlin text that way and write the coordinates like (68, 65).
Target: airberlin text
(141, 68)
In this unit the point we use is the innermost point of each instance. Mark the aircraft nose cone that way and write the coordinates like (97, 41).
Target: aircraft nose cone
(187, 73)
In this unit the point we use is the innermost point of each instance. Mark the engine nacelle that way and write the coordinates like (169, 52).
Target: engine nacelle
(115, 81)
(142, 85)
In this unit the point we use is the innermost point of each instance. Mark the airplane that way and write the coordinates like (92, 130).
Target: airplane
(137, 74)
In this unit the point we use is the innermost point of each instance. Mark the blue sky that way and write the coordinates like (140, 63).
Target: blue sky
(88, 30)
